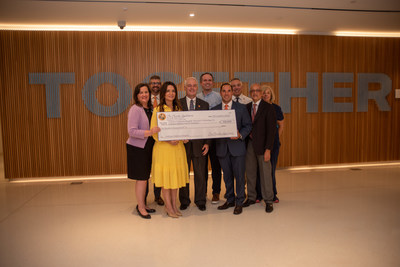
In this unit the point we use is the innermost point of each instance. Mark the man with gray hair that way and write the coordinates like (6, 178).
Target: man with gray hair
(196, 151)
(259, 146)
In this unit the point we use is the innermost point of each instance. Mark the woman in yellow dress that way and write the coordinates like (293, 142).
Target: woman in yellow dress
(169, 165)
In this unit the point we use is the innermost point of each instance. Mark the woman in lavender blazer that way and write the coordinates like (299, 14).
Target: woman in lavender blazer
(139, 145)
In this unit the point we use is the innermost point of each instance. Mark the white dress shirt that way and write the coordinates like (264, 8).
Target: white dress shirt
(229, 105)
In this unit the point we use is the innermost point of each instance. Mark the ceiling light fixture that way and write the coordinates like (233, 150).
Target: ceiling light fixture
(191, 15)
(367, 34)
(21, 27)
(31, 27)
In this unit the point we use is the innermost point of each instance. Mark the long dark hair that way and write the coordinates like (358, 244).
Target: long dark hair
(136, 93)
(176, 104)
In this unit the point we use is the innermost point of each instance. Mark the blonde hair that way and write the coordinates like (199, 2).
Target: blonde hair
(269, 88)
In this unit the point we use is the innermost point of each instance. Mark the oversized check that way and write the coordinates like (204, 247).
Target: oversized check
(200, 124)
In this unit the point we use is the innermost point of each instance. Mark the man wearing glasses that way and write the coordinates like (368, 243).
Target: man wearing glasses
(261, 142)
(155, 85)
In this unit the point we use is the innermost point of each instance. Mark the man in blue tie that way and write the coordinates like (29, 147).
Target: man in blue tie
(196, 151)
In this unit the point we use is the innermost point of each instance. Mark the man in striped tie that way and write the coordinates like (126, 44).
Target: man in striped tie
(196, 151)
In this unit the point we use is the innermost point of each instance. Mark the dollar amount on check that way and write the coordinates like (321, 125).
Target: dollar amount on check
(200, 124)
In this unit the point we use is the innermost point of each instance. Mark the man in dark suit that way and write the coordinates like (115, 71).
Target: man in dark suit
(231, 152)
(259, 146)
(196, 151)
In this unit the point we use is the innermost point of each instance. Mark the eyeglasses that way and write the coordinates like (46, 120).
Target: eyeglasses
(255, 91)
(155, 83)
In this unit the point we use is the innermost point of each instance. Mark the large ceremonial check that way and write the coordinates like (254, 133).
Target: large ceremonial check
(200, 124)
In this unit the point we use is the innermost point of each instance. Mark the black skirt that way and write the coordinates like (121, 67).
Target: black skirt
(139, 160)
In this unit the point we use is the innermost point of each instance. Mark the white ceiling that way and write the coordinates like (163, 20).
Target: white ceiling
(256, 14)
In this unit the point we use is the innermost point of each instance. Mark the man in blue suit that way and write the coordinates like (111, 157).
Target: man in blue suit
(231, 152)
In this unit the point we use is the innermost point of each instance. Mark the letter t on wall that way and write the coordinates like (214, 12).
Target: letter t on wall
(52, 82)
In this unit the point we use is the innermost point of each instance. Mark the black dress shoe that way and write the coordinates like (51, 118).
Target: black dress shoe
(226, 205)
(183, 206)
(248, 202)
(159, 201)
(237, 210)
(269, 207)
(150, 210)
(202, 207)
(141, 215)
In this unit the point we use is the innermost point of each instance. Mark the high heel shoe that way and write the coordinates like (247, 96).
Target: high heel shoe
(178, 212)
(141, 215)
(172, 215)
(150, 210)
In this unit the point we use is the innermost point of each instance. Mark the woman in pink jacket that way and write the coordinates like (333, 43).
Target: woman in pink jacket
(139, 145)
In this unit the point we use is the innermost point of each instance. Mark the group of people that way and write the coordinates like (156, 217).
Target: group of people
(249, 157)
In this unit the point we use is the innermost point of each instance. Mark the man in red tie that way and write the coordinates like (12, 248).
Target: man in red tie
(231, 152)
(259, 146)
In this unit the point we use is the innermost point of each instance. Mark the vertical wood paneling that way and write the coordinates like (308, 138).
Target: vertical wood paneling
(82, 143)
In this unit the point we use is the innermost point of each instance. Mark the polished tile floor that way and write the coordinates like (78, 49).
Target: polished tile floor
(333, 217)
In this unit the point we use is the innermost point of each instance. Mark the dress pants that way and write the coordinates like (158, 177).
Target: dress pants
(274, 162)
(254, 162)
(215, 168)
(200, 182)
(258, 186)
(233, 168)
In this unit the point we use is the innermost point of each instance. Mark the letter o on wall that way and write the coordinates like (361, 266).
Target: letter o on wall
(124, 94)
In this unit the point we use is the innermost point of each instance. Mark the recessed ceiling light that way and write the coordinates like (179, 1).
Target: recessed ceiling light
(191, 14)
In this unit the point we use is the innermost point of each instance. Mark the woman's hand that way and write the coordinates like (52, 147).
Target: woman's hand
(154, 130)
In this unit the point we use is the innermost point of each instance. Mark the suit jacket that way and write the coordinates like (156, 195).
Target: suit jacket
(264, 127)
(196, 144)
(243, 123)
(138, 123)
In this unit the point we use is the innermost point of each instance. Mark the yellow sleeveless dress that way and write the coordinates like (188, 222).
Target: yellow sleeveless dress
(169, 164)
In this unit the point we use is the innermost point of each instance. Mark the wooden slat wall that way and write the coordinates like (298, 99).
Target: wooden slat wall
(82, 143)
